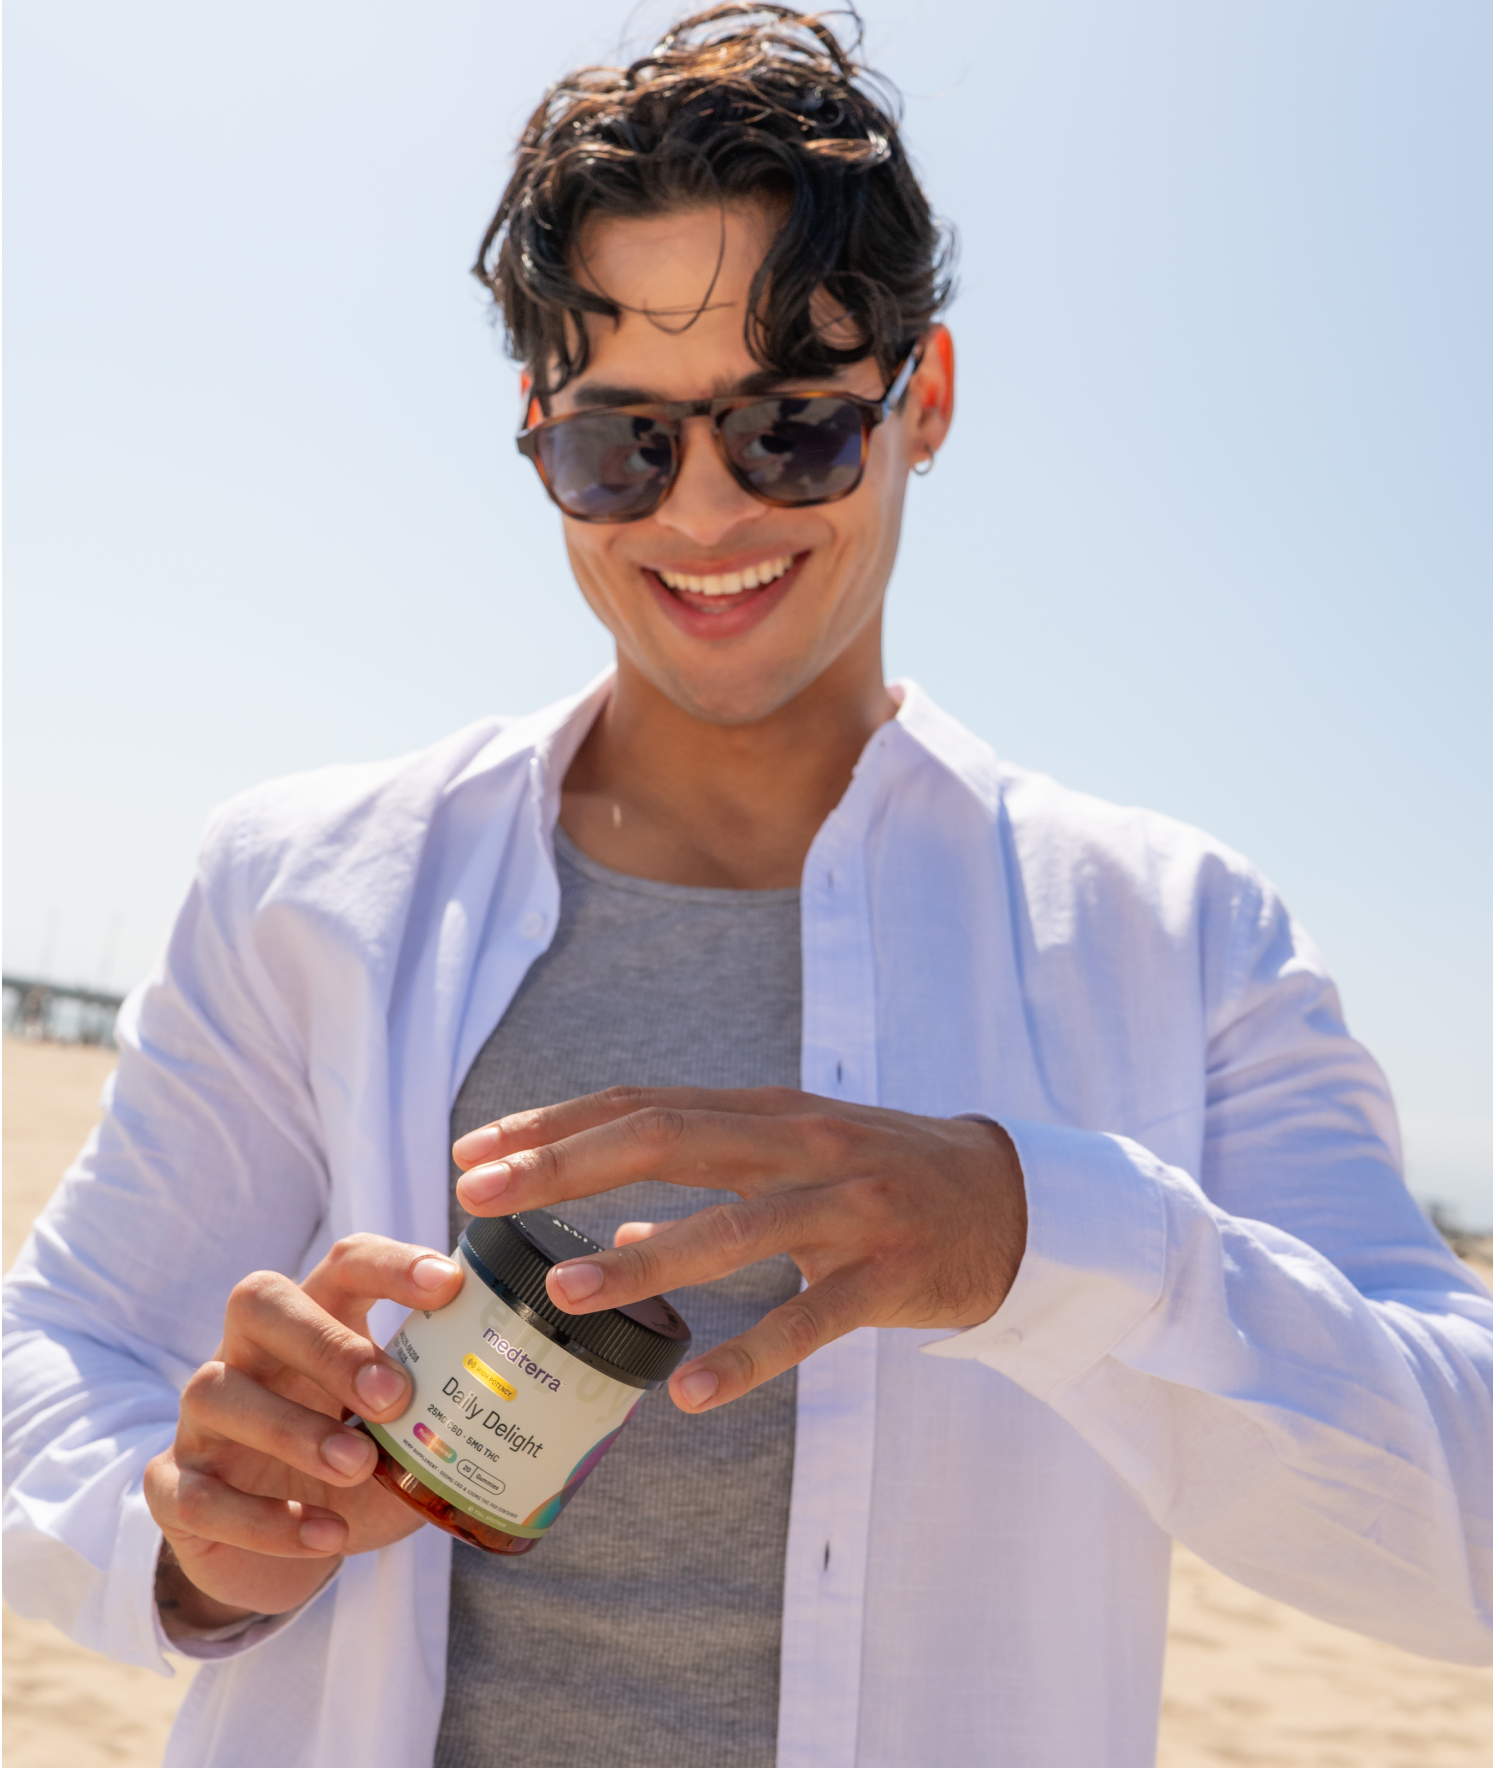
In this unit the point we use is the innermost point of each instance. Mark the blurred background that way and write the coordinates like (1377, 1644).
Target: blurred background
(1212, 533)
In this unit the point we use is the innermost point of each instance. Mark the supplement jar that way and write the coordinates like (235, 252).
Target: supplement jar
(514, 1401)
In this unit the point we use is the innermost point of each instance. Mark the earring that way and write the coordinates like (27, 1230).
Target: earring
(924, 467)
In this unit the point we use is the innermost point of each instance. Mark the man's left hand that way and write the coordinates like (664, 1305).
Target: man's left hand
(894, 1220)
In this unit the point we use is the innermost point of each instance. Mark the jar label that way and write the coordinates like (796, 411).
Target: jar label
(504, 1423)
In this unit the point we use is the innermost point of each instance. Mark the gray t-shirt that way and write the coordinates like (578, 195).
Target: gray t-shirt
(644, 1631)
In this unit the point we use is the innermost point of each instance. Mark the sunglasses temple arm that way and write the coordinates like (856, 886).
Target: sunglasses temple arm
(899, 386)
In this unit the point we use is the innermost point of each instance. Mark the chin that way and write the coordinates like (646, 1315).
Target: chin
(717, 699)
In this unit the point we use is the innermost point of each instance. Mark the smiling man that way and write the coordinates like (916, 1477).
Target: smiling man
(1005, 1150)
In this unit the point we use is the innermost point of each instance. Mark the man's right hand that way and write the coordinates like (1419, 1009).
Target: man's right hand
(264, 1490)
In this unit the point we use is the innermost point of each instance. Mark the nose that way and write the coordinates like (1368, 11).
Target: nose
(706, 503)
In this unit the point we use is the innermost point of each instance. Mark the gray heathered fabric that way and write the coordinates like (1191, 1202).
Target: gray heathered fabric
(644, 1631)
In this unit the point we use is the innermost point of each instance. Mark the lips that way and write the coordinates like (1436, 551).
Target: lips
(729, 603)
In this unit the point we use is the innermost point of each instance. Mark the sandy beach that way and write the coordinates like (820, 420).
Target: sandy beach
(1248, 1681)
(63, 1705)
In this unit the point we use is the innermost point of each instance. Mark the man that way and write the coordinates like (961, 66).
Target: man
(1005, 1149)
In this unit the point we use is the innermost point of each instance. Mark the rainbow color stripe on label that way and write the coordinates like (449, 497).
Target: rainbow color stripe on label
(434, 1443)
(544, 1516)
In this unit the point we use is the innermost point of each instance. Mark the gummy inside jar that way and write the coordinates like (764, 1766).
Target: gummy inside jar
(403, 1484)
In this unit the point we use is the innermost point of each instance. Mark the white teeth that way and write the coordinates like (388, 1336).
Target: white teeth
(730, 582)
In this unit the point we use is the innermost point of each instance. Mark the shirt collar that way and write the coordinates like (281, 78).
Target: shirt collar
(546, 740)
(927, 730)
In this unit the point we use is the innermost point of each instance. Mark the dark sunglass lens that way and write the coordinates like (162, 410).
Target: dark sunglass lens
(796, 450)
(607, 466)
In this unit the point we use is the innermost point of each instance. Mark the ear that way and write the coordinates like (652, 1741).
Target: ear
(525, 399)
(930, 397)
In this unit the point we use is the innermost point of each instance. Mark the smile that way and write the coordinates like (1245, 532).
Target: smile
(729, 582)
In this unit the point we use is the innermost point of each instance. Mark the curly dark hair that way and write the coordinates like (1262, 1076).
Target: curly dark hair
(736, 102)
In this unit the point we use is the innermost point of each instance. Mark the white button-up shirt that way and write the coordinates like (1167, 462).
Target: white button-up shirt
(1231, 1326)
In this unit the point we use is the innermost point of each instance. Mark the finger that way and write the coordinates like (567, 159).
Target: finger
(631, 1231)
(222, 1405)
(726, 1150)
(364, 1268)
(209, 1509)
(779, 1341)
(272, 1325)
(698, 1249)
(552, 1123)
(271, 1320)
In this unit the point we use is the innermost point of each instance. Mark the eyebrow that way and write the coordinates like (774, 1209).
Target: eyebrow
(592, 395)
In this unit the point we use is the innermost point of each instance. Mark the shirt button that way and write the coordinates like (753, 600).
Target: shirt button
(1006, 1341)
(533, 925)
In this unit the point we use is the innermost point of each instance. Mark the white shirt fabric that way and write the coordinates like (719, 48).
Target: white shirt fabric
(1232, 1326)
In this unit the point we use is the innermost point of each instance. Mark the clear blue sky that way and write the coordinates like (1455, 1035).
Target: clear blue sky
(1212, 533)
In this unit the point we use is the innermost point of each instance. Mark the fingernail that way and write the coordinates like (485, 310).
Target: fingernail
(478, 1144)
(484, 1183)
(431, 1273)
(323, 1534)
(378, 1387)
(347, 1454)
(699, 1386)
(576, 1282)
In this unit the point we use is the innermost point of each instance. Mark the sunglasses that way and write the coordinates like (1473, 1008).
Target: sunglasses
(788, 449)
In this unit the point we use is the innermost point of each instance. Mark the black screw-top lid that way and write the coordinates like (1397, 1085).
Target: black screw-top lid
(646, 1339)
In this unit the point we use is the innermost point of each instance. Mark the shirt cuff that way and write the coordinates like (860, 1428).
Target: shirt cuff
(1094, 1260)
(237, 1637)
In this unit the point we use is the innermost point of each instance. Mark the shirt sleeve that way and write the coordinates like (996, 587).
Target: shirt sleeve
(1276, 1353)
(206, 1166)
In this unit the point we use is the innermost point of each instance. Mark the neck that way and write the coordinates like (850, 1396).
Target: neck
(658, 793)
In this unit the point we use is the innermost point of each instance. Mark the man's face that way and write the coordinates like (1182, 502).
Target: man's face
(819, 574)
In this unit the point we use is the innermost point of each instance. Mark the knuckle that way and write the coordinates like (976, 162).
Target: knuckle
(349, 1249)
(337, 1350)
(353, 1266)
(296, 1441)
(356, 1260)
(828, 1140)
(517, 1126)
(545, 1162)
(874, 1197)
(642, 1261)
(746, 1367)
(780, 1216)
(622, 1099)
(656, 1126)
(730, 1227)
(159, 1484)
(194, 1500)
(203, 1387)
(798, 1329)
(741, 1230)
(258, 1291)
